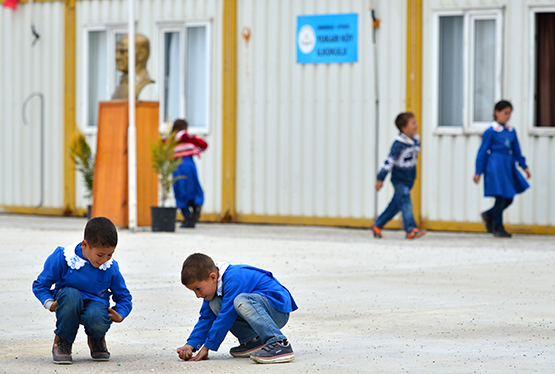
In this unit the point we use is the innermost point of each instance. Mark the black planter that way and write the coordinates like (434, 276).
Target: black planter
(163, 219)
(89, 209)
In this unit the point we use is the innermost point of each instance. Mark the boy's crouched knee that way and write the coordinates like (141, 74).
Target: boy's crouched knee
(69, 297)
(241, 299)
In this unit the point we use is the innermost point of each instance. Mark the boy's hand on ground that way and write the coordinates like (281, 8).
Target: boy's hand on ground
(53, 306)
(114, 316)
(476, 178)
(186, 352)
(202, 354)
(379, 185)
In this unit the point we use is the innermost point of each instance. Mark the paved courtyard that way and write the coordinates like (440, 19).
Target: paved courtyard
(445, 303)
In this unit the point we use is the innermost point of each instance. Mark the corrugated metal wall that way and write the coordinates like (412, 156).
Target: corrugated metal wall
(25, 69)
(448, 192)
(306, 133)
(148, 14)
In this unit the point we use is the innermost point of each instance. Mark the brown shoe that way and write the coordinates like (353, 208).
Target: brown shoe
(416, 233)
(61, 351)
(98, 349)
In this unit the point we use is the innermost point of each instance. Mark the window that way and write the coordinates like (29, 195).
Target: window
(451, 70)
(468, 68)
(543, 80)
(102, 75)
(185, 74)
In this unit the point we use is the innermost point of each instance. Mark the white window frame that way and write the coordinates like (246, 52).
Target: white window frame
(469, 126)
(111, 31)
(532, 129)
(181, 27)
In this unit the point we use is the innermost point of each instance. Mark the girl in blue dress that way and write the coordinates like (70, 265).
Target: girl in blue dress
(496, 159)
(188, 193)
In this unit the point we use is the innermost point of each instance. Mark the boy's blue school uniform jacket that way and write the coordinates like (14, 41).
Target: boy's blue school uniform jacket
(67, 267)
(210, 330)
(497, 159)
(401, 160)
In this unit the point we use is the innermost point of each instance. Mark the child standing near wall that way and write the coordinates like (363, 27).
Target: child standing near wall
(402, 164)
(85, 276)
(188, 193)
(496, 159)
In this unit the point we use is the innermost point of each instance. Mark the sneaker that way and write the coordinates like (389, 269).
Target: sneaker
(488, 222)
(274, 353)
(500, 232)
(377, 232)
(61, 351)
(245, 349)
(416, 233)
(98, 349)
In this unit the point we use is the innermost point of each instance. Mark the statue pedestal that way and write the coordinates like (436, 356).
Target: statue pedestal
(110, 187)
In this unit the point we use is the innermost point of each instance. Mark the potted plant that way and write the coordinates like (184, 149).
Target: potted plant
(84, 161)
(164, 163)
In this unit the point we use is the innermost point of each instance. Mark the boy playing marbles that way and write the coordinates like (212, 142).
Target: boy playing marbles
(245, 300)
(85, 276)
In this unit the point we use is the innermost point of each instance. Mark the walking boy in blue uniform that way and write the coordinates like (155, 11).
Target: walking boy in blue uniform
(402, 164)
(85, 276)
(245, 300)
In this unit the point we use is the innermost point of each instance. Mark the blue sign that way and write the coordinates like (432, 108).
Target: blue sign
(327, 38)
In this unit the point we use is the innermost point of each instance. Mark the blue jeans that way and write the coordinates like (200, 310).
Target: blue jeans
(72, 310)
(257, 318)
(401, 202)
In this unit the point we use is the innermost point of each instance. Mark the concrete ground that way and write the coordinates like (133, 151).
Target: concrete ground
(445, 303)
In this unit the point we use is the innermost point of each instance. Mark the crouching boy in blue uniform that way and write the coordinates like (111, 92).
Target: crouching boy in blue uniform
(85, 276)
(245, 300)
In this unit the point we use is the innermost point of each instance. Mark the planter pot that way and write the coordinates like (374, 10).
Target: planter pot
(163, 219)
(89, 209)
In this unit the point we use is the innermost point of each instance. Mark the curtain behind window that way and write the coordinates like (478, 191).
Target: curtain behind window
(484, 70)
(97, 74)
(545, 78)
(172, 80)
(451, 71)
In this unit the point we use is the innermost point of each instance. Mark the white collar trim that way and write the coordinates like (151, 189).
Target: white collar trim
(75, 262)
(222, 267)
(497, 127)
(405, 139)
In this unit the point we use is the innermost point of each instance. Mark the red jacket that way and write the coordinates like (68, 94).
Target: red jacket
(189, 145)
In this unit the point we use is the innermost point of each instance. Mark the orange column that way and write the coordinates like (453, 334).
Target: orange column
(110, 187)
(414, 87)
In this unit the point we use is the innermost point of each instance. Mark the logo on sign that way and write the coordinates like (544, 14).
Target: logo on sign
(307, 39)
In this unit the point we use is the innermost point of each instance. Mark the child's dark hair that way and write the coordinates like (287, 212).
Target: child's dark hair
(197, 267)
(402, 120)
(100, 232)
(180, 124)
(500, 106)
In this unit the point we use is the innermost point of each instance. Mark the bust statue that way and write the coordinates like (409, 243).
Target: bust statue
(142, 51)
